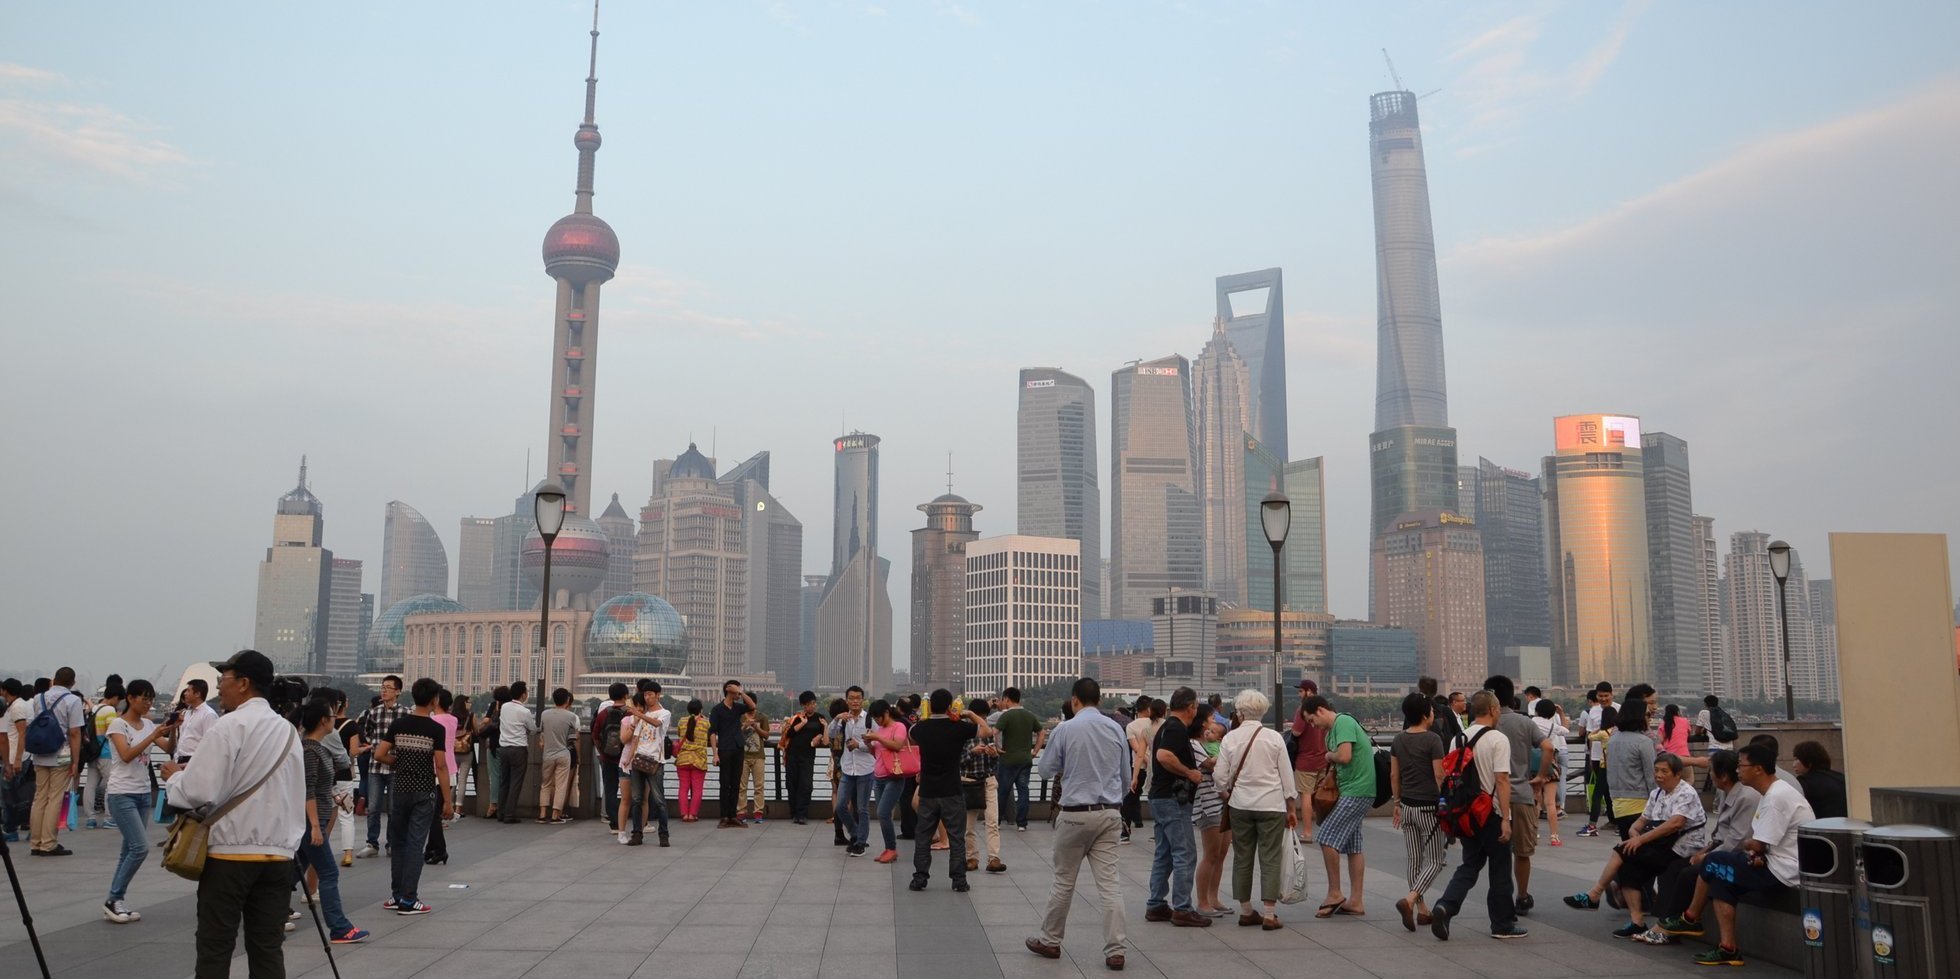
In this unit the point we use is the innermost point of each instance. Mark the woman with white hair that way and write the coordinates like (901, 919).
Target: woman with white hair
(1255, 778)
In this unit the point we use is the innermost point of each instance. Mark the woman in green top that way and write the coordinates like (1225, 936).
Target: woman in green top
(1352, 757)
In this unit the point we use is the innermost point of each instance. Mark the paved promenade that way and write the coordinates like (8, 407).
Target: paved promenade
(780, 901)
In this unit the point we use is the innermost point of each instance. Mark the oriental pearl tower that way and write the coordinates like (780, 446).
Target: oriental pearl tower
(580, 254)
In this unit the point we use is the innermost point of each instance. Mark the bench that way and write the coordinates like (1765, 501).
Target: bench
(1767, 927)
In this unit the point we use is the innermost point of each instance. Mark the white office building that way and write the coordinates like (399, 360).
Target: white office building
(1023, 612)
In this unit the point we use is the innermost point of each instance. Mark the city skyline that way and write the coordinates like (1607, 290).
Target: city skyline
(1515, 268)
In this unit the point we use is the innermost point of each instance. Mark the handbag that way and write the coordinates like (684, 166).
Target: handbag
(184, 850)
(1326, 794)
(1225, 798)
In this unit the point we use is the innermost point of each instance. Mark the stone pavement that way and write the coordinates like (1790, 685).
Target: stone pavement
(780, 902)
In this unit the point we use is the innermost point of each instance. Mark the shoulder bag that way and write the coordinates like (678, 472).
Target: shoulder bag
(184, 850)
(1225, 798)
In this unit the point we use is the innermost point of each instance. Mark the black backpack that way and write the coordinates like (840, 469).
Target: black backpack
(1721, 726)
(1384, 786)
(611, 745)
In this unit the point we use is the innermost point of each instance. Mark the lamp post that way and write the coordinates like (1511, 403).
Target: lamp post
(1779, 565)
(548, 509)
(1276, 518)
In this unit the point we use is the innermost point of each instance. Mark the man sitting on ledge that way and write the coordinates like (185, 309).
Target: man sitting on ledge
(1767, 862)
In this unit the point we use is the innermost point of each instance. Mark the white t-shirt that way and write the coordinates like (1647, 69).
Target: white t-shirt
(1493, 756)
(1778, 815)
(128, 777)
(67, 710)
(515, 726)
(190, 732)
(18, 711)
(1593, 721)
(654, 745)
(1142, 729)
(1684, 802)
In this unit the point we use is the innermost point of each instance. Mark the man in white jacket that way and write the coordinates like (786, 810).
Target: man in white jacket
(250, 761)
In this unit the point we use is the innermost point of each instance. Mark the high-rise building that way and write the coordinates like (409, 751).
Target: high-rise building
(1412, 454)
(508, 587)
(344, 623)
(1716, 668)
(1252, 307)
(1754, 630)
(1303, 571)
(1184, 640)
(939, 592)
(1156, 523)
(1368, 659)
(811, 596)
(775, 541)
(295, 584)
(476, 563)
(1245, 648)
(366, 623)
(581, 253)
(1673, 555)
(1429, 579)
(1058, 492)
(1596, 552)
(413, 561)
(1511, 519)
(1023, 602)
(854, 620)
(691, 554)
(1823, 636)
(1219, 392)
(622, 543)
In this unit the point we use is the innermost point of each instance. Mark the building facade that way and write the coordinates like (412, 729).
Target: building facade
(1252, 309)
(476, 563)
(804, 676)
(1245, 646)
(1058, 493)
(1596, 552)
(507, 584)
(1366, 659)
(344, 623)
(1823, 637)
(775, 541)
(939, 592)
(692, 555)
(413, 561)
(1023, 612)
(1510, 518)
(1673, 559)
(291, 617)
(1184, 636)
(1716, 668)
(1219, 391)
(854, 619)
(1303, 559)
(622, 543)
(476, 652)
(1754, 627)
(1429, 579)
(1156, 524)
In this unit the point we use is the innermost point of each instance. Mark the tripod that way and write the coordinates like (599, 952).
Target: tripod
(299, 884)
(20, 898)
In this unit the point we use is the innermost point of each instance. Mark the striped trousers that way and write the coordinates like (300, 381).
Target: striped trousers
(1423, 841)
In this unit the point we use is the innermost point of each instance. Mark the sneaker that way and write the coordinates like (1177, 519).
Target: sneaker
(663, 839)
(1655, 936)
(367, 851)
(622, 835)
(118, 912)
(889, 856)
(413, 907)
(1629, 930)
(1525, 904)
(1507, 933)
(1124, 839)
(1022, 828)
(1683, 925)
(291, 927)
(917, 884)
(855, 849)
(391, 905)
(1439, 923)
(1719, 956)
(348, 936)
(294, 915)
(91, 822)
(1588, 830)
(961, 887)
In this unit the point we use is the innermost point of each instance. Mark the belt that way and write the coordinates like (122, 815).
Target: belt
(1093, 807)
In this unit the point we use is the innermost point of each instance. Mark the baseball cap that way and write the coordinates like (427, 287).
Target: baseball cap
(250, 664)
(1309, 686)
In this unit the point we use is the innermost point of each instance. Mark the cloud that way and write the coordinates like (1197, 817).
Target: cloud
(664, 299)
(959, 14)
(1500, 82)
(90, 135)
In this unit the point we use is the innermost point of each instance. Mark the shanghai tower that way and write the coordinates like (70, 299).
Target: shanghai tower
(1412, 454)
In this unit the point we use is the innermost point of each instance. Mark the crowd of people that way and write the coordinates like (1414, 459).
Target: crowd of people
(289, 791)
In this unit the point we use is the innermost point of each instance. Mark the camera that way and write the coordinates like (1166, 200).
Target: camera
(286, 695)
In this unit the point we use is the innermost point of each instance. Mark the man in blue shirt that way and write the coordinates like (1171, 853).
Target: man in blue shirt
(1091, 755)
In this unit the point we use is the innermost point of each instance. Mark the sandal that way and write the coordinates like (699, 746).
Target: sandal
(1582, 901)
(1344, 909)
(1327, 910)
(1555, 841)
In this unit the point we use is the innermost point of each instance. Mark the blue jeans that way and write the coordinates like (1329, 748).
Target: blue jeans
(646, 792)
(853, 807)
(1013, 782)
(132, 815)
(890, 790)
(378, 786)
(1172, 864)
(408, 833)
(320, 858)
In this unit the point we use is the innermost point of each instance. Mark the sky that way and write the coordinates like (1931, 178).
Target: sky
(240, 233)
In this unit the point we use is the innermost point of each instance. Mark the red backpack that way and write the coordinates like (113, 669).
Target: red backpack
(1462, 805)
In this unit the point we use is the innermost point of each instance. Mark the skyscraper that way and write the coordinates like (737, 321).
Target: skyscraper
(413, 561)
(1412, 454)
(775, 543)
(1219, 390)
(581, 253)
(1716, 668)
(476, 564)
(1303, 573)
(344, 624)
(805, 671)
(1429, 579)
(295, 584)
(1754, 629)
(691, 554)
(507, 585)
(1253, 309)
(1059, 494)
(1511, 518)
(939, 592)
(1673, 557)
(854, 619)
(1823, 637)
(621, 544)
(1156, 523)
(1021, 606)
(1596, 551)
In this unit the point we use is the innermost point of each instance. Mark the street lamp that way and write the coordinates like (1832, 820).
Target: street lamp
(1779, 565)
(548, 509)
(1276, 518)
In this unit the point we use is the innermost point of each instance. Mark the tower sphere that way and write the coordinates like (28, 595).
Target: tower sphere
(578, 557)
(581, 248)
(586, 139)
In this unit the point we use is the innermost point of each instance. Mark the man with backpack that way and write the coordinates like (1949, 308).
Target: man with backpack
(1475, 809)
(1717, 724)
(607, 744)
(55, 730)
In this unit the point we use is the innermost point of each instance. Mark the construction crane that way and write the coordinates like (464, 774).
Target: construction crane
(1392, 73)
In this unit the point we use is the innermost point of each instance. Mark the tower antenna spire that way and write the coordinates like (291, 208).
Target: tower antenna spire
(949, 473)
(302, 472)
(587, 139)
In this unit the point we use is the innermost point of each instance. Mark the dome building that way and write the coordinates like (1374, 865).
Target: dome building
(386, 638)
(632, 636)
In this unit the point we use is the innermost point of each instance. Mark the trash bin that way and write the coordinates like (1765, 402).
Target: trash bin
(1827, 860)
(1913, 876)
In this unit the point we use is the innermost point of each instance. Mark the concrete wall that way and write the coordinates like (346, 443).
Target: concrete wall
(1895, 655)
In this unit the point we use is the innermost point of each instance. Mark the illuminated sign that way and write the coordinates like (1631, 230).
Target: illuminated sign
(1157, 371)
(1456, 518)
(855, 442)
(1045, 383)
(760, 506)
(1597, 432)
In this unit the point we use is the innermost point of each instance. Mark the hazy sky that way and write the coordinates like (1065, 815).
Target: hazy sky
(238, 232)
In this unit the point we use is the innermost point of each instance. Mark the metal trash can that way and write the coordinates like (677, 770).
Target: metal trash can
(1834, 921)
(1913, 876)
